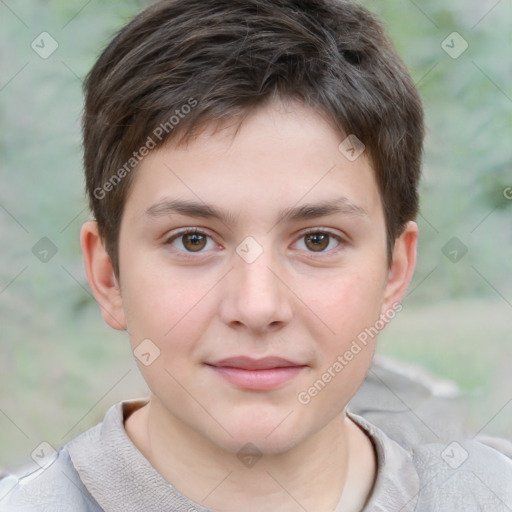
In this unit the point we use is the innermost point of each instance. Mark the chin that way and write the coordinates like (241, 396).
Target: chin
(253, 442)
(272, 435)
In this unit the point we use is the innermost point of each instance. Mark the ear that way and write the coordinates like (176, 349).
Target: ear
(402, 266)
(100, 275)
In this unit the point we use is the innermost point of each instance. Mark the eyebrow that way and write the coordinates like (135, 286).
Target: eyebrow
(340, 205)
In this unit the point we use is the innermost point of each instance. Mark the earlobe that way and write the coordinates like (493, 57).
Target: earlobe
(101, 277)
(402, 267)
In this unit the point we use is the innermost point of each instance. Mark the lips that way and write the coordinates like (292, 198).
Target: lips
(257, 374)
(247, 363)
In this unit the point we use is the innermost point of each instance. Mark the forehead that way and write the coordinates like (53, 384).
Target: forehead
(280, 155)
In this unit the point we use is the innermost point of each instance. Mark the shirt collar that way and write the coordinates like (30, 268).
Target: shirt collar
(119, 477)
(397, 484)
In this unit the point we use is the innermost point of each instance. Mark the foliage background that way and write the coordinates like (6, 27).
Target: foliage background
(60, 367)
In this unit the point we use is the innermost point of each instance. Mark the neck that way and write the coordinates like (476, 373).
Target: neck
(336, 462)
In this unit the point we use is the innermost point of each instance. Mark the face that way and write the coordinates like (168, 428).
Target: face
(252, 262)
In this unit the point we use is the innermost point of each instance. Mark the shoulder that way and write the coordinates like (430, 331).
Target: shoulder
(55, 487)
(423, 416)
(422, 477)
(461, 475)
(80, 474)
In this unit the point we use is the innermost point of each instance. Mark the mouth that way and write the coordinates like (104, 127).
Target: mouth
(257, 374)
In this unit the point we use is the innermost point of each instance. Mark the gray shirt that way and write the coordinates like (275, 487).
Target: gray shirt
(101, 469)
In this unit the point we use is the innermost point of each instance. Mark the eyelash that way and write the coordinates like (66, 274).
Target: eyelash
(191, 254)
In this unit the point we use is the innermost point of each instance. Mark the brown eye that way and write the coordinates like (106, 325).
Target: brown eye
(194, 241)
(320, 242)
(191, 241)
(317, 241)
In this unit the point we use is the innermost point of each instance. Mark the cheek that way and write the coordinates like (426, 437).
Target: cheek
(350, 308)
(174, 317)
(349, 304)
(162, 304)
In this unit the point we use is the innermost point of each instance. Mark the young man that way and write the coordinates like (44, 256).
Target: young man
(252, 167)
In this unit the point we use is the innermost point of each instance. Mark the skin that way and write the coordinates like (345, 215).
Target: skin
(293, 301)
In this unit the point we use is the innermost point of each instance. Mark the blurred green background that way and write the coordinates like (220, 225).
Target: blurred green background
(61, 367)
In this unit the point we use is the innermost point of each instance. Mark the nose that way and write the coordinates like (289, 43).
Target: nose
(256, 296)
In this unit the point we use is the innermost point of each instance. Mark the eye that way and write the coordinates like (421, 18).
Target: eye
(319, 241)
(191, 240)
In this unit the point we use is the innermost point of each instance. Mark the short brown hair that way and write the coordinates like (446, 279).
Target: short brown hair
(181, 64)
